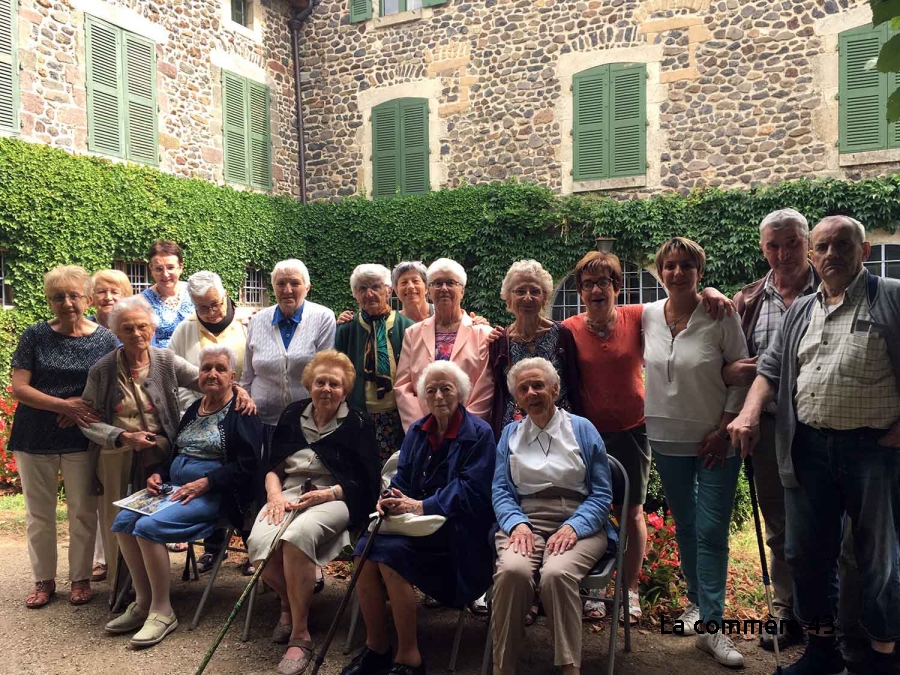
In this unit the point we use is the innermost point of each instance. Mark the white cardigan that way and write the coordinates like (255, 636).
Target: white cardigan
(271, 373)
(685, 394)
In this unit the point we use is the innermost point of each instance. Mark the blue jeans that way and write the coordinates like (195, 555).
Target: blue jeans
(701, 501)
(844, 472)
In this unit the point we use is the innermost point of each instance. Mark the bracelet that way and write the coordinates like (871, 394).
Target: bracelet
(334, 492)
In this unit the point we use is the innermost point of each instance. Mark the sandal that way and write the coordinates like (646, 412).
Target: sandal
(594, 610)
(634, 609)
(40, 596)
(532, 615)
(99, 572)
(297, 666)
(81, 593)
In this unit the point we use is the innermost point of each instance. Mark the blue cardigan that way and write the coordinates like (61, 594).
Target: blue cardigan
(466, 499)
(593, 514)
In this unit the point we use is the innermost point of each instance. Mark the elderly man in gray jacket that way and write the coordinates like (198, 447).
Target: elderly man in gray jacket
(833, 369)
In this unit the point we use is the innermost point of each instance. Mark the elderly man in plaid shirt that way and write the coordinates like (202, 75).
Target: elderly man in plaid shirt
(833, 368)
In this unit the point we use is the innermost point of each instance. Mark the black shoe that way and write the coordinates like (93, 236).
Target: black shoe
(205, 563)
(320, 584)
(855, 650)
(368, 662)
(819, 659)
(790, 634)
(878, 664)
(403, 669)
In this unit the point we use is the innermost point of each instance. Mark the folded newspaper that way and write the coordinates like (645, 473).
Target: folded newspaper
(145, 503)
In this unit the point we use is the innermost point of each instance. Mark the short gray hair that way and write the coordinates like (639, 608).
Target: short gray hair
(132, 304)
(857, 226)
(291, 266)
(219, 350)
(369, 271)
(200, 283)
(531, 268)
(784, 218)
(463, 383)
(408, 266)
(538, 362)
(446, 266)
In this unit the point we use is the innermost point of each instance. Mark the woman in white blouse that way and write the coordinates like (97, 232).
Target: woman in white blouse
(281, 340)
(552, 495)
(687, 407)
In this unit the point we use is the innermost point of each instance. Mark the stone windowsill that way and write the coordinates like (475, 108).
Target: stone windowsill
(399, 17)
(871, 157)
(10, 133)
(249, 33)
(609, 183)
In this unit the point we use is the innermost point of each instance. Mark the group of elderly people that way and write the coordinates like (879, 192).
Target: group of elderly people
(492, 442)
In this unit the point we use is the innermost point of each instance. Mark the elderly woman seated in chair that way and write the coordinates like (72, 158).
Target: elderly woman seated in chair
(214, 464)
(552, 493)
(444, 473)
(324, 466)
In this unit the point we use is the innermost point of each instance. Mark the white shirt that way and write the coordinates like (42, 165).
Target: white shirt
(544, 458)
(685, 394)
(271, 372)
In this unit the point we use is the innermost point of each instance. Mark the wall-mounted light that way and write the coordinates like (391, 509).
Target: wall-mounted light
(605, 244)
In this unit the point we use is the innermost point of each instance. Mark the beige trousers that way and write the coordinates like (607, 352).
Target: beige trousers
(113, 468)
(40, 475)
(560, 577)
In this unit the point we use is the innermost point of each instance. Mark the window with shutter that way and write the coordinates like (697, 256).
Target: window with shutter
(386, 149)
(247, 140)
(140, 100)
(260, 141)
(589, 132)
(400, 148)
(414, 146)
(627, 119)
(9, 73)
(360, 10)
(862, 92)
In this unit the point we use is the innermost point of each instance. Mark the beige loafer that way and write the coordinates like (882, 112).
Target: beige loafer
(127, 622)
(297, 666)
(155, 629)
(282, 633)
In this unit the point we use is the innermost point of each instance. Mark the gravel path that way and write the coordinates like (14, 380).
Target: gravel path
(64, 639)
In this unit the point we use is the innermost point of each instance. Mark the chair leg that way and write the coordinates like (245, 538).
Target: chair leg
(627, 622)
(454, 652)
(614, 625)
(488, 641)
(251, 601)
(189, 558)
(354, 621)
(220, 557)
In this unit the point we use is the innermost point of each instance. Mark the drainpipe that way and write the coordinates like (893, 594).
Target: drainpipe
(295, 24)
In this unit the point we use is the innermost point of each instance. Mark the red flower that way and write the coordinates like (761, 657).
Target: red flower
(655, 521)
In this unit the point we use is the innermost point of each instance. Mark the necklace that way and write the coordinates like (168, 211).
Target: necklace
(204, 410)
(602, 329)
(675, 323)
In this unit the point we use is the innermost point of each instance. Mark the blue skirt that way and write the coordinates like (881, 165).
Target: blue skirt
(180, 522)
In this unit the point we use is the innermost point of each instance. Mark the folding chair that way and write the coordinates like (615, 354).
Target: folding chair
(191, 565)
(599, 576)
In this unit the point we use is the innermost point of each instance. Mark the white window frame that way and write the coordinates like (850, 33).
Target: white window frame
(138, 273)
(636, 279)
(878, 259)
(254, 290)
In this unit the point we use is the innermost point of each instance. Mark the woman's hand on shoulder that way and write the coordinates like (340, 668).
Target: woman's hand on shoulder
(521, 540)
(399, 503)
(345, 317)
(562, 540)
(716, 304)
(242, 402)
(495, 335)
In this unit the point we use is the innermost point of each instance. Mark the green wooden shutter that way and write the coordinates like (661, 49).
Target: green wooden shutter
(433, 3)
(9, 74)
(360, 10)
(862, 104)
(105, 107)
(627, 120)
(141, 130)
(590, 141)
(893, 84)
(234, 128)
(260, 142)
(414, 146)
(385, 149)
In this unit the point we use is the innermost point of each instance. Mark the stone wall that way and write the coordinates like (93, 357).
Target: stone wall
(740, 92)
(195, 39)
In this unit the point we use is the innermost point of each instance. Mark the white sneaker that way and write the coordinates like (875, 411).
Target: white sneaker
(688, 618)
(722, 649)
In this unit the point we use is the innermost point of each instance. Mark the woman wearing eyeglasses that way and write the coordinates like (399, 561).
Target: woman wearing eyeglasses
(167, 296)
(50, 370)
(448, 335)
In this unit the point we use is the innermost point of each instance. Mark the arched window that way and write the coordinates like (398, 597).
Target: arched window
(138, 273)
(254, 292)
(884, 260)
(639, 286)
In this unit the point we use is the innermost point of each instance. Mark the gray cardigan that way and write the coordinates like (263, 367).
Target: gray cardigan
(780, 366)
(167, 372)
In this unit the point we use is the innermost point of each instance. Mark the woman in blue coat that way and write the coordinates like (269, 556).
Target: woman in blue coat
(445, 469)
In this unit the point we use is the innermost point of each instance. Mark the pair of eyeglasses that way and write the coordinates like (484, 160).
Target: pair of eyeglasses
(449, 283)
(62, 297)
(589, 284)
(522, 292)
(375, 288)
(214, 307)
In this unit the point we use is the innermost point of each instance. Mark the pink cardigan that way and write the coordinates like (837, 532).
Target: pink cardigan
(470, 352)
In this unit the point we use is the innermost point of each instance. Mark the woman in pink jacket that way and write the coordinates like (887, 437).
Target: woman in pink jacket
(447, 335)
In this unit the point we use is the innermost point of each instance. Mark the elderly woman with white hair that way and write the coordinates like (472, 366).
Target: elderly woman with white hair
(281, 340)
(449, 335)
(552, 493)
(445, 469)
(214, 463)
(374, 340)
(49, 371)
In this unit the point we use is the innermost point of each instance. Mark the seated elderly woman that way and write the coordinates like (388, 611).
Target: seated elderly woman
(214, 466)
(324, 465)
(448, 335)
(552, 493)
(373, 341)
(445, 468)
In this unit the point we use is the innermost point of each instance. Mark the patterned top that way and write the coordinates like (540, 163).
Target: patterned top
(545, 347)
(845, 379)
(59, 367)
(169, 315)
(127, 413)
(443, 346)
(204, 436)
(771, 313)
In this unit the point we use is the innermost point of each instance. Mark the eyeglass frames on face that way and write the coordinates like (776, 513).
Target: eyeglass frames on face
(212, 307)
(449, 283)
(62, 297)
(588, 284)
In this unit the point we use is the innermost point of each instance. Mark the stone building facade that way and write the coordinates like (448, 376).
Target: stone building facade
(737, 93)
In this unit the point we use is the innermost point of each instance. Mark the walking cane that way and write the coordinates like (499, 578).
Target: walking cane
(346, 599)
(748, 469)
(121, 584)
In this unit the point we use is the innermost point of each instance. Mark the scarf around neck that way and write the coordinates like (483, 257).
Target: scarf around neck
(377, 363)
(216, 328)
